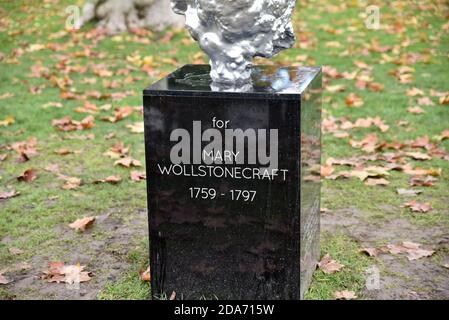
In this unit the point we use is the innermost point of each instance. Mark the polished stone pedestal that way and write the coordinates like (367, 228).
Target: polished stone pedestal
(233, 183)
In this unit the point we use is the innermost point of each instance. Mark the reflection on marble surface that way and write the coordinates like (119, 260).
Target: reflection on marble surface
(264, 79)
(223, 247)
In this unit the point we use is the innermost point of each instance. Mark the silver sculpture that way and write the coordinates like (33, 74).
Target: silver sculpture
(232, 32)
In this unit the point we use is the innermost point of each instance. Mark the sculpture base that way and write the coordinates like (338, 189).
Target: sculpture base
(233, 184)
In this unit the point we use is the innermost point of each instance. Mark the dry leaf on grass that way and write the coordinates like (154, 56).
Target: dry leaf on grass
(408, 192)
(128, 162)
(137, 127)
(372, 252)
(137, 176)
(82, 224)
(146, 275)
(418, 207)
(415, 110)
(413, 250)
(377, 182)
(28, 175)
(59, 272)
(15, 251)
(4, 280)
(110, 179)
(71, 183)
(8, 194)
(328, 265)
(345, 295)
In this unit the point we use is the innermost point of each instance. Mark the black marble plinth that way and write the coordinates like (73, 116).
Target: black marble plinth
(233, 183)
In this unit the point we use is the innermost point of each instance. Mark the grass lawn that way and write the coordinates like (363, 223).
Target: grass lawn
(47, 73)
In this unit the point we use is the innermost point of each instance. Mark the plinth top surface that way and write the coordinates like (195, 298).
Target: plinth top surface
(277, 82)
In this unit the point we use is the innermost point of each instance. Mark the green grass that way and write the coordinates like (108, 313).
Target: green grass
(36, 220)
(351, 277)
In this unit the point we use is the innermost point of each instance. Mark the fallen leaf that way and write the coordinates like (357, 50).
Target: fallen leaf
(82, 224)
(173, 295)
(418, 155)
(353, 100)
(408, 192)
(327, 170)
(425, 101)
(70, 182)
(414, 92)
(15, 251)
(377, 182)
(418, 207)
(4, 280)
(128, 162)
(146, 275)
(137, 127)
(28, 175)
(110, 179)
(422, 181)
(345, 295)
(372, 252)
(138, 176)
(9, 120)
(63, 151)
(59, 272)
(8, 194)
(328, 265)
(415, 110)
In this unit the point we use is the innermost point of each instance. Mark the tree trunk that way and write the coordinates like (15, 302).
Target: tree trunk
(117, 16)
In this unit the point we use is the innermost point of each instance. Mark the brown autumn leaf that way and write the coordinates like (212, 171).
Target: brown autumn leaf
(119, 114)
(63, 151)
(372, 252)
(408, 192)
(413, 250)
(110, 179)
(345, 295)
(353, 100)
(146, 275)
(415, 110)
(138, 176)
(423, 181)
(418, 207)
(425, 101)
(444, 99)
(414, 92)
(15, 251)
(68, 124)
(4, 280)
(8, 194)
(59, 272)
(117, 151)
(81, 224)
(368, 144)
(136, 127)
(28, 175)
(9, 120)
(327, 170)
(128, 162)
(25, 149)
(335, 88)
(371, 171)
(88, 107)
(418, 155)
(70, 183)
(328, 265)
(377, 182)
